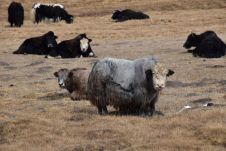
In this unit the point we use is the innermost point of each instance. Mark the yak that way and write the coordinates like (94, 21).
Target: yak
(127, 85)
(207, 45)
(128, 14)
(75, 81)
(41, 45)
(56, 12)
(74, 48)
(16, 14)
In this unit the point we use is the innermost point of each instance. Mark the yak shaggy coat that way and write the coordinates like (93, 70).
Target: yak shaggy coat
(16, 14)
(75, 82)
(127, 85)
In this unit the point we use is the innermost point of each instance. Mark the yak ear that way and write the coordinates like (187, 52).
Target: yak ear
(149, 74)
(55, 37)
(170, 72)
(90, 40)
(193, 35)
(116, 11)
(84, 34)
(55, 74)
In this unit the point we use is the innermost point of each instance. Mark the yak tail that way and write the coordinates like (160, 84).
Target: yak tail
(146, 16)
(33, 14)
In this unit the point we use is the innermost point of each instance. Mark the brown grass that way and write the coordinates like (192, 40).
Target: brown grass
(35, 115)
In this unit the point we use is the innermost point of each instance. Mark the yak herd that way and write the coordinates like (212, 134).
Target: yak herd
(130, 86)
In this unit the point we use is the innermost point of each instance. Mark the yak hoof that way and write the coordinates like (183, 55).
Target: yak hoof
(102, 110)
(157, 113)
(75, 98)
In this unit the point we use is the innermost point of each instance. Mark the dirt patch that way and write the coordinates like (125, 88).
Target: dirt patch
(10, 68)
(202, 101)
(80, 117)
(2, 63)
(6, 77)
(35, 63)
(177, 84)
(102, 146)
(215, 66)
(44, 69)
(12, 130)
(103, 134)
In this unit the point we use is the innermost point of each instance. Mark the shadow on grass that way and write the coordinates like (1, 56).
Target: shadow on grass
(54, 96)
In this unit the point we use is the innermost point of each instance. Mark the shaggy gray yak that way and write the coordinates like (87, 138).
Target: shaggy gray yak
(131, 86)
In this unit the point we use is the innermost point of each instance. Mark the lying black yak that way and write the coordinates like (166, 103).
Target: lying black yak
(128, 14)
(41, 45)
(74, 48)
(207, 45)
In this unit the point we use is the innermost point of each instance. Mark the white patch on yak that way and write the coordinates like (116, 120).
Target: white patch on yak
(159, 76)
(84, 44)
(37, 5)
(91, 54)
(59, 5)
(61, 82)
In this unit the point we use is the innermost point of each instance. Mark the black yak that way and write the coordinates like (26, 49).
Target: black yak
(208, 45)
(16, 14)
(56, 12)
(41, 45)
(128, 15)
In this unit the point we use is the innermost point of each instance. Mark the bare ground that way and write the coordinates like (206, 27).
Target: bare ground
(36, 115)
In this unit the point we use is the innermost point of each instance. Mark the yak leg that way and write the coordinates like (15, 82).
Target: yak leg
(75, 96)
(99, 110)
(102, 110)
(151, 110)
(151, 107)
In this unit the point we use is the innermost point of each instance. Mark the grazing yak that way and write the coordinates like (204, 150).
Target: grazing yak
(56, 12)
(74, 48)
(16, 14)
(208, 45)
(75, 81)
(41, 45)
(128, 85)
(128, 14)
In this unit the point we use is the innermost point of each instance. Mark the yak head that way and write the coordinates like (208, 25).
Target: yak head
(191, 41)
(62, 75)
(69, 19)
(158, 76)
(50, 39)
(116, 14)
(85, 47)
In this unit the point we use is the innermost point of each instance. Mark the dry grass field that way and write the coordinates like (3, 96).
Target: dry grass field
(35, 115)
